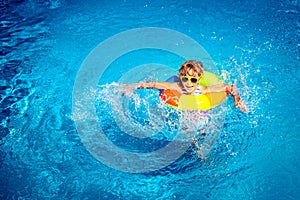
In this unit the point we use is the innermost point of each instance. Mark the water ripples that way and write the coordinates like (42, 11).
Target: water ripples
(41, 153)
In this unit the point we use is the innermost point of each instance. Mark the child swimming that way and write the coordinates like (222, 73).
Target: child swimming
(189, 75)
(188, 83)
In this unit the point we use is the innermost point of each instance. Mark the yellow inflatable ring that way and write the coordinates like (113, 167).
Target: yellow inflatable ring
(198, 102)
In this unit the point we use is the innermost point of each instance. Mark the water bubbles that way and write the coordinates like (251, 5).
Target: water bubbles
(140, 110)
(140, 114)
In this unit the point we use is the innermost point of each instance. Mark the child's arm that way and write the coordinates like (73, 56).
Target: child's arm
(229, 90)
(221, 87)
(156, 85)
(129, 88)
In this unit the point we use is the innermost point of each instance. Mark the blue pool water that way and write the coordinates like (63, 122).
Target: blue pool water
(43, 46)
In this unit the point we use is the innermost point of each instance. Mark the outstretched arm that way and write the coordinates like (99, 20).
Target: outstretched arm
(155, 85)
(229, 89)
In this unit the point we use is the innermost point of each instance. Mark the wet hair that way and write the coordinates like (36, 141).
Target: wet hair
(196, 67)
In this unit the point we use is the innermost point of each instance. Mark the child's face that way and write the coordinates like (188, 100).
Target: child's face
(190, 81)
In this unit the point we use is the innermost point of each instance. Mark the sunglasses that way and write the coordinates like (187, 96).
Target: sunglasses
(188, 78)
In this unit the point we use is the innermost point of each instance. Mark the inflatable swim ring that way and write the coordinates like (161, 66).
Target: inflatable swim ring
(197, 102)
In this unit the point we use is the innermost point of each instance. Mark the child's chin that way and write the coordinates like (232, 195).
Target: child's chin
(189, 91)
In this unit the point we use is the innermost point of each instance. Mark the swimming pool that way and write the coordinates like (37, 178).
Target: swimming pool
(44, 44)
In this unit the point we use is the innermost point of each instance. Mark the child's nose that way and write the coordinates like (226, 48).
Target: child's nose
(190, 82)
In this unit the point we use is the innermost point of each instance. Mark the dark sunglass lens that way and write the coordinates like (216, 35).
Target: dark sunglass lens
(193, 80)
(184, 79)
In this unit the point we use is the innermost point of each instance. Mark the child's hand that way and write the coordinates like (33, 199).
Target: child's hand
(238, 103)
(125, 89)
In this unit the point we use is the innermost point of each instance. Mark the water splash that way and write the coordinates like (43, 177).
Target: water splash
(140, 114)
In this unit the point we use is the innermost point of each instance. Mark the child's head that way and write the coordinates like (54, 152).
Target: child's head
(190, 73)
(191, 68)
